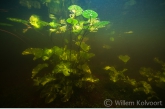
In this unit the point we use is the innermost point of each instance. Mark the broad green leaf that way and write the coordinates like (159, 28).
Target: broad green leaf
(47, 53)
(38, 68)
(34, 20)
(124, 58)
(37, 52)
(72, 21)
(89, 14)
(85, 55)
(57, 50)
(46, 79)
(62, 68)
(83, 46)
(107, 67)
(77, 10)
(85, 68)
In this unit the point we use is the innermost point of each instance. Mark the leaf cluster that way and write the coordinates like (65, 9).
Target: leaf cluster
(62, 71)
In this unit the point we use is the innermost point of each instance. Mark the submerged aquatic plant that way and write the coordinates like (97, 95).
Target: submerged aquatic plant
(114, 74)
(156, 77)
(112, 39)
(89, 14)
(66, 72)
(64, 68)
(124, 58)
(75, 10)
(138, 86)
(152, 76)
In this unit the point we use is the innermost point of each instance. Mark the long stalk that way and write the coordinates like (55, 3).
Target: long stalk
(13, 35)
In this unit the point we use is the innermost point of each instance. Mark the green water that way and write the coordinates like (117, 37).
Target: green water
(136, 29)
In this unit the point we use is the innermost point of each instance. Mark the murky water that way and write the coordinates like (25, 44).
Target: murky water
(136, 29)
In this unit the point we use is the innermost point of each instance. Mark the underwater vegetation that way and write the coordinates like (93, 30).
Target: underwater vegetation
(112, 39)
(62, 69)
(124, 58)
(153, 77)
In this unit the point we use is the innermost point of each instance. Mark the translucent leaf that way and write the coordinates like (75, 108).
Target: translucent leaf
(72, 21)
(62, 68)
(114, 78)
(77, 28)
(112, 69)
(131, 81)
(77, 10)
(34, 20)
(62, 29)
(73, 56)
(85, 55)
(47, 79)
(90, 79)
(116, 75)
(107, 67)
(79, 37)
(148, 72)
(124, 58)
(38, 68)
(53, 24)
(85, 68)
(146, 88)
(57, 50)
(64, 56)
(89, 14)
(37, 52)
(47, 53)
(85, 47)
(112, 39)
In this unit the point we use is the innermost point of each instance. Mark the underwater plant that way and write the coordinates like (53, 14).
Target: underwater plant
(153, 77)
(112, 39)
(124, 58)
(64, 68)
(138, 86)
(64, 73)
(114, 74)
(156, 77)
